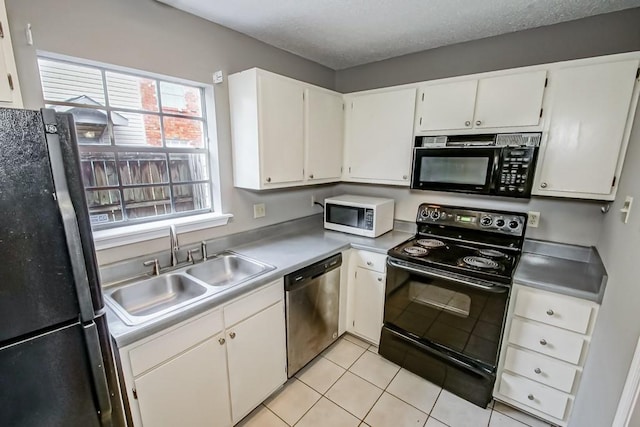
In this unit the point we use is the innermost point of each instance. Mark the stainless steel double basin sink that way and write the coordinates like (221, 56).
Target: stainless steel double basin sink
(155, 297)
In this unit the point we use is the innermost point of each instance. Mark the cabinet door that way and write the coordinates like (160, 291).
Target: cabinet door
(323, 135)
(190, 390)
(368, 304)
(257, 357)
(6, 93)
(281, 115)
(447, 106)
(513, 100)
(589, 107)
(380, 136)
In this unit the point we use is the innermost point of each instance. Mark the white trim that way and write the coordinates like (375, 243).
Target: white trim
(629, 399)
(106, 239)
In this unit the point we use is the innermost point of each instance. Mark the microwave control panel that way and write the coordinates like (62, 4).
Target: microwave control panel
(515, 175)
(368, 219)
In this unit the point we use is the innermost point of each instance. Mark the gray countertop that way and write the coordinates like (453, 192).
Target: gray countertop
(286, 251)
(571, 270)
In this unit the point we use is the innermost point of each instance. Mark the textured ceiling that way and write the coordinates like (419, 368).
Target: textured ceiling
(345, 33)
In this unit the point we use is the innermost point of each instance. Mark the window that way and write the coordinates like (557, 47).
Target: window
(142, 141)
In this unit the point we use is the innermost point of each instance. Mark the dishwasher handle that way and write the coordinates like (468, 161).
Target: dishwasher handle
(307, 274)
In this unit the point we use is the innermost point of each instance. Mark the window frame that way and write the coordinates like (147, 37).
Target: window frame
(201, 217)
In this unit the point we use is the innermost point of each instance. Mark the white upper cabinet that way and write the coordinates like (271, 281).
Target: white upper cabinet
(588, 130)
(510, 101)
(324, 122)
(447, 106)
(278, 134)
(513, 100)
(9, 88)
(280, 117)
(379, 136)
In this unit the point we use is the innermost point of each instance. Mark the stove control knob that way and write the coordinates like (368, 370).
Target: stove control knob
(435, 215)
(513, 224)
(500, 223)
(424, 214)
(486, 221)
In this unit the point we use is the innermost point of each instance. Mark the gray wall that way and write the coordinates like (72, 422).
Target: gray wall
(146, 35)
(618, 326)
(599, 35)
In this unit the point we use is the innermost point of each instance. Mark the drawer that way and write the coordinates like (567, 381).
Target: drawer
(564, 312)
(540, 368)
(372, 261)
(534, 395)
(174, 342)
(245, 307)
(554, 342)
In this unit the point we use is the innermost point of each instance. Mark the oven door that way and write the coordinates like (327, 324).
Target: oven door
(453, 316)
(468, 170)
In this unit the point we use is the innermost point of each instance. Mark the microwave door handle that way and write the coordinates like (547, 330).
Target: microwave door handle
(419, 271)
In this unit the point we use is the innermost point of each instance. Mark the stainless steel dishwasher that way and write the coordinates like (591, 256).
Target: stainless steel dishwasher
(312, 303)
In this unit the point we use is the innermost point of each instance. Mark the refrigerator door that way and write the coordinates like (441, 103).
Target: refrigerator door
(37, 289)
(46, 381)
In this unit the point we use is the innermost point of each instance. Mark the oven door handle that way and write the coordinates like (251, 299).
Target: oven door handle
(488, 288)
(440, 354)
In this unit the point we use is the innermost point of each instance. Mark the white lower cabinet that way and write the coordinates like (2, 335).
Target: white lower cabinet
(542, 354)
(366, 284)
(211, 370)
(188, 390)
(257, 359)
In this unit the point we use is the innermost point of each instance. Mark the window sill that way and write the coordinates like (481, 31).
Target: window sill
(121, 236)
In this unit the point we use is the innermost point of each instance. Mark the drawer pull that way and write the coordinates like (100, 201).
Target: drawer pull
(537, 371)
(369, 263)
(379, 279)
(531, 397)
(543, 342)
(221, 341)
(232, 335)
(550, 312)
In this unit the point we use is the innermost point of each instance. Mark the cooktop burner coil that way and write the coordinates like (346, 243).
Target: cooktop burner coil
(416, 251)
(430, 243)
(481, 262)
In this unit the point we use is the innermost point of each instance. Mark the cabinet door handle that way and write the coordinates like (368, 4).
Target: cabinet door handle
(369, 263)
(221, 341)
(550, 312)
(537, 371)
(543, 342)
(232, 335)
(379, 279)
(311, 176)
(467, 123)
(405, 176)
(530, 397)
(543, 185)
(268, 179)
(478, 122)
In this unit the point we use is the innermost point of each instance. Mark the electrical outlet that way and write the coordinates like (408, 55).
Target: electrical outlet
(259, 210)
(534, 219)
(313, 200)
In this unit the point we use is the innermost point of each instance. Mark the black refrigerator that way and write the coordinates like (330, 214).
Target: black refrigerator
(56, 361)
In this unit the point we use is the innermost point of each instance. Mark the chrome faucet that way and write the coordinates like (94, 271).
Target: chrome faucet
(174, 245)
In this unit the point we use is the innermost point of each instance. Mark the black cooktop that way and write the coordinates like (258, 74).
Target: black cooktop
(467, 258)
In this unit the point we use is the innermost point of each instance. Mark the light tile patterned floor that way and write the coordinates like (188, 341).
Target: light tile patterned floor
(350, 385)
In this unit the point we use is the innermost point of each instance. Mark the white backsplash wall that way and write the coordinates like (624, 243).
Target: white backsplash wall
(561, 220)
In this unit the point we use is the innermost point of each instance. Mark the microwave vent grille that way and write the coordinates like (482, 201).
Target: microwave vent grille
(518, 139)
(434, 141)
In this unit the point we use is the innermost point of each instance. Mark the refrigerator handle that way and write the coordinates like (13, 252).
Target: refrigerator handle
(97, 372)
(68, 214)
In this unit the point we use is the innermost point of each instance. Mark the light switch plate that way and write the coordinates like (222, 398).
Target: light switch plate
(218, 77)
(626, 209)
(259, 210)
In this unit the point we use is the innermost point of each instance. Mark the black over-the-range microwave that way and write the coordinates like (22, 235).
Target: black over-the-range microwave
(495, 164)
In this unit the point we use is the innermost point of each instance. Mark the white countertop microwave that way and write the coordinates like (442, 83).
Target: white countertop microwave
(361, 215)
